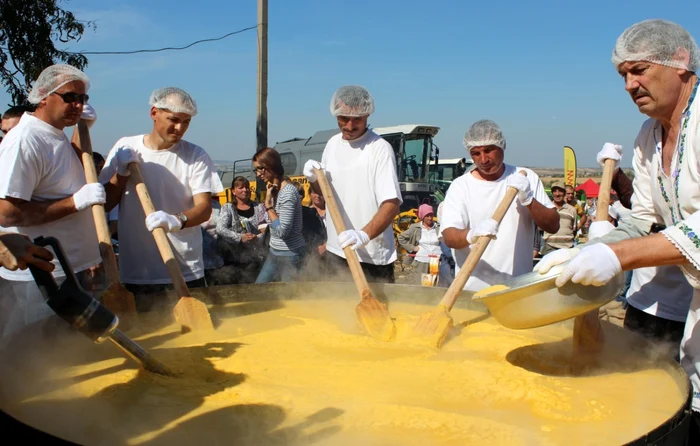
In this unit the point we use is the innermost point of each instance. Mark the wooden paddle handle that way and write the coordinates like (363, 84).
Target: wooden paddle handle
(166, 251)
(477, 250)
(109, 260)
(601, 213)
(332, 206)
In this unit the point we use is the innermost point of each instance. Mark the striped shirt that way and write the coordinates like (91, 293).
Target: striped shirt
(285, 232)
(564, 238)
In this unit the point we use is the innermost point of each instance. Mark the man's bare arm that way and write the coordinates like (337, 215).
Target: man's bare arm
(200, 212)
(16, 212)
(383, 218)
(652, 250)
(114, 190)
(545, 218)
(455, 238)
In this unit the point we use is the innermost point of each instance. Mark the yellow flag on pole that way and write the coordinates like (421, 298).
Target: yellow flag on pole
(569, 166)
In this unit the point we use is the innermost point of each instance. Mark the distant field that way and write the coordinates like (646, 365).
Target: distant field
(547, 175)
(551, 175)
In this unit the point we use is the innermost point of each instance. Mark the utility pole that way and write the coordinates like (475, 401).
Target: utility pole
(262, 75)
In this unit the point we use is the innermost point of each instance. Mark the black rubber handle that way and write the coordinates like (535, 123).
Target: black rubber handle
(69, 300)
(44, 279)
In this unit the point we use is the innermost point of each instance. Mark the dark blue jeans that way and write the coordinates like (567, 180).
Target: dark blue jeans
(280, 266)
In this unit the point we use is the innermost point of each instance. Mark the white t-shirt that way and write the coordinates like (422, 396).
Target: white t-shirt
(172, 177)
(38, 164)
(428, 245)
(619, 212)
(362, 174)
(471, 200)
(661, 291)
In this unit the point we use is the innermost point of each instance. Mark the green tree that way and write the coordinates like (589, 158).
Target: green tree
(29, 31)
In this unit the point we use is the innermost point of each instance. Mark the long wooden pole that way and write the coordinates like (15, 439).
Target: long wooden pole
(262, 75)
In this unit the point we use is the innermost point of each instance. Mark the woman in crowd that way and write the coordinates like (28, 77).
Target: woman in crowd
(422, 239)
(213, 261)
(314, 232)
(283, 208)
(238, 237)
(318, 205)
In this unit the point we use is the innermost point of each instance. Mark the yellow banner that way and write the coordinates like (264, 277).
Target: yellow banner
(569, 166)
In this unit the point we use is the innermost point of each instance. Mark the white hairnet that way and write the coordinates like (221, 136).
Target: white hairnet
(53, 78)
(657, 41)
(352, 101)
(173, 99)
(484, 133)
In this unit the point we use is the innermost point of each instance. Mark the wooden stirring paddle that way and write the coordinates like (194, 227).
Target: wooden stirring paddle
(190, 313)
(115, 297)
(436, 324)
(588, 333)
(372, 314)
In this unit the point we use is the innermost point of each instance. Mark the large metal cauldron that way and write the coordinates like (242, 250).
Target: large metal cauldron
(24, 360)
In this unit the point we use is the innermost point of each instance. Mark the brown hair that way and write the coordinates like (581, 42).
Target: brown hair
(17, 111)
(239, 180)
(270, 159)
(299, 186)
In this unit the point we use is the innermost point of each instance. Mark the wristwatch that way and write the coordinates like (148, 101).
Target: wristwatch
(183, 219)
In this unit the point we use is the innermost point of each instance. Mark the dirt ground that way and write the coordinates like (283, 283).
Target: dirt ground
(406, 274)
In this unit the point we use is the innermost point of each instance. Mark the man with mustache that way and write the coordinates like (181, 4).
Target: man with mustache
(361, 167)
(43, 191)
(472, 199)
(181, 178)
(658, 61)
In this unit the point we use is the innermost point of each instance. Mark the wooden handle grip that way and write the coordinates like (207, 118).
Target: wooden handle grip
(601, 213)
(477, 250)
(166, 251)
(109, 260)
(332, 206)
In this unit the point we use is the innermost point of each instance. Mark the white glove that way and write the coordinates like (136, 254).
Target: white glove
(119, 163)
(309, 169)
(599, 229)
(555, 258)
(484, 228)
(89, 113)
(91, 193)
(525, 194)
(610, 151)
(160, 219)
(123, 157)
(353, 238)
(595, 265)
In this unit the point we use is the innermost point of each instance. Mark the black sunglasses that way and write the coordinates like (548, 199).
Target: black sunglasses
(72, 97)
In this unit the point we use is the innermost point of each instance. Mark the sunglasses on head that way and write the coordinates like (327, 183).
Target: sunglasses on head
(72, 97)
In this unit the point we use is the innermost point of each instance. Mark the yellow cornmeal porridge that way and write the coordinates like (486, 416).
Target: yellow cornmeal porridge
(300, 372)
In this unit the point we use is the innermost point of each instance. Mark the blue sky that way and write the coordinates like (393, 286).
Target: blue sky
(541, 70)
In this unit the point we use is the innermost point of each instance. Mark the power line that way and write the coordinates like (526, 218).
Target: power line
(166, 48)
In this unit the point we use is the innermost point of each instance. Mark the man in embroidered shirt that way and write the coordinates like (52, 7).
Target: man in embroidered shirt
(658, 61)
